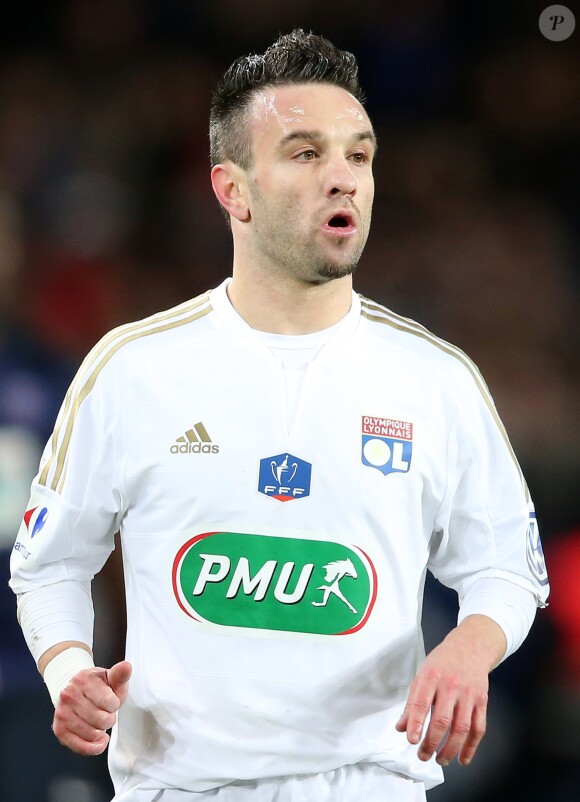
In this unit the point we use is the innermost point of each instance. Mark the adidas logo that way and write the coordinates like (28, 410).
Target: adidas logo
(195, 441)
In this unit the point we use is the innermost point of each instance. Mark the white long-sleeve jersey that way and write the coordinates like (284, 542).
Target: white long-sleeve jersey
(275, 553)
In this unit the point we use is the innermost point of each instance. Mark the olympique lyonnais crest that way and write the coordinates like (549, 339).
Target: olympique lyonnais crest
(387, 444)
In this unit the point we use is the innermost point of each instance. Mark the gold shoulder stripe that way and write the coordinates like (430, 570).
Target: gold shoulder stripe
(58, 479)
(412, 327)
(96, 360)
(409, 326)
(94, 354)
(141, 325)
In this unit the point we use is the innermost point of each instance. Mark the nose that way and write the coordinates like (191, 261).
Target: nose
(340, 179)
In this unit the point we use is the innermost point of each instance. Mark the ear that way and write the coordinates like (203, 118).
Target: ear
(229, 185)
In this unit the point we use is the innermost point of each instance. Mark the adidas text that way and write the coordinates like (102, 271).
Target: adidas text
(194, 448)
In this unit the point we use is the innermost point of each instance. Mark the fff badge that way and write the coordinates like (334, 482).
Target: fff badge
(387, 444)
(284, 477)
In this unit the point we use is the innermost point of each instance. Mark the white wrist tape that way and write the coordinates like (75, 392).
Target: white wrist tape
(62, 668)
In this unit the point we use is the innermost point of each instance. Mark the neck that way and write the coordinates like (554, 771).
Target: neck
(290, 307)
(273, 302)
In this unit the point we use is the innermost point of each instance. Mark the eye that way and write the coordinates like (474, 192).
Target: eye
(359, 158)
(306, 155)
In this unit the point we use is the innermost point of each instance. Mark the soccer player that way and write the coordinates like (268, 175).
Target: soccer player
(284, 460)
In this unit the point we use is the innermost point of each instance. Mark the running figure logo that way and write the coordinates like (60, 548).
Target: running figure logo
(336, 571)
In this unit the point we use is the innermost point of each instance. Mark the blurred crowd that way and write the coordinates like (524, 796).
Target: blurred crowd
(107, 215)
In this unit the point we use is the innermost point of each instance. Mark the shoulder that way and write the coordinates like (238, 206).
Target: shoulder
(132, 349)
(419, 345)
(159, 327)
(141, 339)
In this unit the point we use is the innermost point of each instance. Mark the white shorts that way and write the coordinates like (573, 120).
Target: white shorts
(362, 781)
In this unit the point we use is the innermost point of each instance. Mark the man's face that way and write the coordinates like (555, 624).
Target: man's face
(311, 184)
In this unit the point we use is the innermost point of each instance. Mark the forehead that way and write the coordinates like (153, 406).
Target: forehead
(277, 110)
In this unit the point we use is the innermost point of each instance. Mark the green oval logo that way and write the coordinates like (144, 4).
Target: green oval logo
(276, 583)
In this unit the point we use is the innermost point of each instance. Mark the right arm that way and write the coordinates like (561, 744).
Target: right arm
(76, 505)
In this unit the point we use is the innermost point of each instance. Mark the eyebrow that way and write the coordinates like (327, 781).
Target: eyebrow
(314, 135)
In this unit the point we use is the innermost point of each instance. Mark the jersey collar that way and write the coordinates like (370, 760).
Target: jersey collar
(229, 318)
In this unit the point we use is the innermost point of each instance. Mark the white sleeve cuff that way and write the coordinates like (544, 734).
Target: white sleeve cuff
(55, 613)
(512, 607)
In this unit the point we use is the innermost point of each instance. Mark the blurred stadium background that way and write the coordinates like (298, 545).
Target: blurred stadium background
(106, 215)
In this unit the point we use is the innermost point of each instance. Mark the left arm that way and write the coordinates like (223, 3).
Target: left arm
(486, 546)
(452, 683)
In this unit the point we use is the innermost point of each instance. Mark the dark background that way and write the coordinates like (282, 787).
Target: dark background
(107, 215)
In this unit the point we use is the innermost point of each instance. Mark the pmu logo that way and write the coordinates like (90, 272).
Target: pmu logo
(35, 519)
(535, 553)
(284, 477)
(387, 444)
(275, 583)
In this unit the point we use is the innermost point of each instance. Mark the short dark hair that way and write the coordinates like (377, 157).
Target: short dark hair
(295, 58)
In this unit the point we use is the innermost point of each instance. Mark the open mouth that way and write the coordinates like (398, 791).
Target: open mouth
(340, 223)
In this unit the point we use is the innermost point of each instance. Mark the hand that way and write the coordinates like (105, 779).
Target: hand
(88, 707)
(453, 684)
